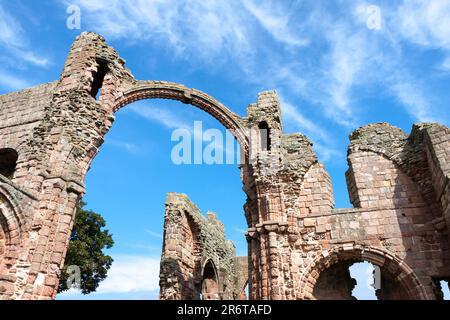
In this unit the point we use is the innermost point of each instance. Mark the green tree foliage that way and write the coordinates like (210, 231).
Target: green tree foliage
(85, 250)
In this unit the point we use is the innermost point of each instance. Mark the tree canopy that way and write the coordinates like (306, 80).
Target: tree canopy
(85, 251)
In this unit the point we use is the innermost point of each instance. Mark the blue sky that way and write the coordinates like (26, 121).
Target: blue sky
(333, 71)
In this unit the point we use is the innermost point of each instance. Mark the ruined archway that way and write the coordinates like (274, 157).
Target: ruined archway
(340, 258)
(178, 269)
(289, 207)
(175, 91)
(113, 96)
(197, 260)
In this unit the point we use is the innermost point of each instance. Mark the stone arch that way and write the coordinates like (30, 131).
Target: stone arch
(142, 90)
(377, 256)
(174, 91)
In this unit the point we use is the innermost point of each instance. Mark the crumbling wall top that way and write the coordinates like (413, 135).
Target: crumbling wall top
(209, 244)
(380, 138)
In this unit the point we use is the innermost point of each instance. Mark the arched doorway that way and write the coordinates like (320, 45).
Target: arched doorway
(328, 276)
(210, 282)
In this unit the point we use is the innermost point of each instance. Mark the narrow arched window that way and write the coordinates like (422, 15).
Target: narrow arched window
(8, 162)
(264, 134)
(210, 283)
(99, 77)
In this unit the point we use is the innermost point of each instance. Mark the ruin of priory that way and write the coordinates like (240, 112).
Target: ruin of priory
(197, 260)
(299, 245)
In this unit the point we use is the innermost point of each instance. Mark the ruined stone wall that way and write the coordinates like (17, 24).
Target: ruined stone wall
(398, 184)
(20, 116)
(191, 241)
(398, 223)
(241, 266)
(436, 142)
(397, 213)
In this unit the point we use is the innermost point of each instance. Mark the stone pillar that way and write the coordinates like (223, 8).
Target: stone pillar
(53, 227)
(265, 165)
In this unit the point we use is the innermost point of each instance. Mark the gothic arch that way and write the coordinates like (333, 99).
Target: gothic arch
(382, 258)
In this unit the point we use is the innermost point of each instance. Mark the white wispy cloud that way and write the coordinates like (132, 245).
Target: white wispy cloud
(13, 82)
(153, 234)
(346, 59)
(328, 152)
(275, 19)
(14, 40)
(325, 147)
(424, 22)
(31, 57)
(240, 231)
(171, 120)
(204, 29)
(412, 97)
(163, 116)
(446, 64)
(130, 147)
(131, 274)
(9, 29)
(128, 274)
(344, 55)
(292, 114)
(360, 57)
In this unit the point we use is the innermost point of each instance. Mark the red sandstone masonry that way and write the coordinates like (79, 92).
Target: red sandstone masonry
(193, 242)
(398, 184)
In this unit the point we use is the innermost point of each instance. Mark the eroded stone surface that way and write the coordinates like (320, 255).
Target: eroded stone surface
(398, 184)
(192, 243)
